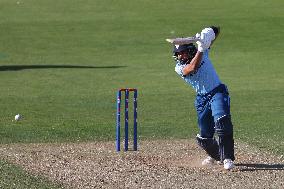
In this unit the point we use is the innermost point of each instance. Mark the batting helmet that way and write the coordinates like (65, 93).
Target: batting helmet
(190, 48)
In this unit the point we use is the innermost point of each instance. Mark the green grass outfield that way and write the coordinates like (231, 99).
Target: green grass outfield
(61, 63)
(12, 176)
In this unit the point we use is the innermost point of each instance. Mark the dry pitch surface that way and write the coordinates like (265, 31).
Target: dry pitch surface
(157, 164)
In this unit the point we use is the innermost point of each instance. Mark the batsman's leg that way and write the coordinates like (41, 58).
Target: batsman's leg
(210, 146)
(206, 125)
(220, 105)
(224, 130)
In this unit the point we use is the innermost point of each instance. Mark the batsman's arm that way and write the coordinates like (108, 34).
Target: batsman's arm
(194, 64)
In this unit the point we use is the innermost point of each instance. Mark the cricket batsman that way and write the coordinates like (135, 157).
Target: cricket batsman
(212, 101)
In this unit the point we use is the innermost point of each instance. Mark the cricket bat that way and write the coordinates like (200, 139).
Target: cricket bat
(183, 40)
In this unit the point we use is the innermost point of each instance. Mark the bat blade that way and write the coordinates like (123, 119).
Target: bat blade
(183, 40)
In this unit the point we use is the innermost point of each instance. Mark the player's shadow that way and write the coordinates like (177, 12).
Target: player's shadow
(259, 166)
(24, 67)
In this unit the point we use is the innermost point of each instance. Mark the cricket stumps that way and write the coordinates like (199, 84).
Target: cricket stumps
(126, 91)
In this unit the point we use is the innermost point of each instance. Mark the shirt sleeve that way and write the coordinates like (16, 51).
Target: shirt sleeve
(179, 67)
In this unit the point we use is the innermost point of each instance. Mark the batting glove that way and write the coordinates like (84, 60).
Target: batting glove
(206, 37)
(201, 46)
(209, 32)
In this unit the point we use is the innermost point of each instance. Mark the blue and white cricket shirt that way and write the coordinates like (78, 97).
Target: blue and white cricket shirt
(204, 79)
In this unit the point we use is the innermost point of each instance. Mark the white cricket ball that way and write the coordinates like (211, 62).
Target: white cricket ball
(18, 117)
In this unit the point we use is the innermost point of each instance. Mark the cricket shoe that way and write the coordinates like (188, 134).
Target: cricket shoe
(228, 164)
(208, 161)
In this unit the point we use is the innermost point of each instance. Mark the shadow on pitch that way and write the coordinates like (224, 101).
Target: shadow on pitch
(257, 167)
(25, 67)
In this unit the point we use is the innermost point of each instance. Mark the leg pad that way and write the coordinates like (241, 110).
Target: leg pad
(224, 130)
(210, 146)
